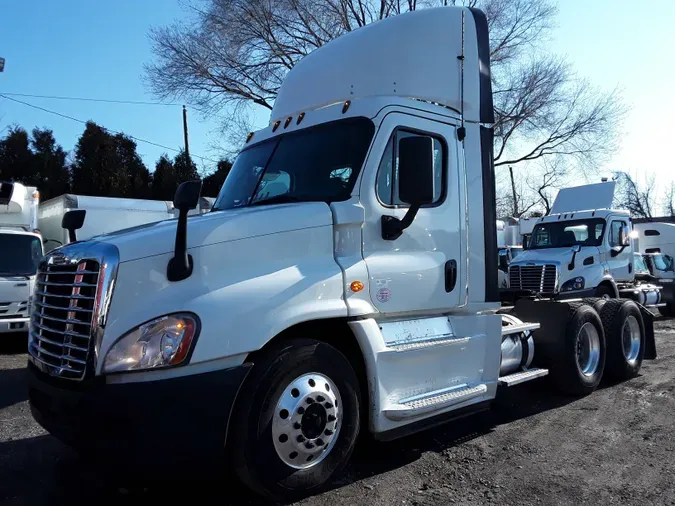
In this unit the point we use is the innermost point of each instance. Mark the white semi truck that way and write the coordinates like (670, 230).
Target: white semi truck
(656, 242)
(344, 281)
(20, 253)
(582, 249)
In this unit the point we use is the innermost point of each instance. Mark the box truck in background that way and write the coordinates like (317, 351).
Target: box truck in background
(20, 254)
(104, 215)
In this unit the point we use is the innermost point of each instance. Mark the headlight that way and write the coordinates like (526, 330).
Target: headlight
(163, 342)
(577, 283)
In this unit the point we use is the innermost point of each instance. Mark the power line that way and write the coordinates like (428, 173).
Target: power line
(105, 128)
(86, 99)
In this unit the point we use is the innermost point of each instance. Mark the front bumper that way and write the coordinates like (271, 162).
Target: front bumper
(512, 295)
(138, 422)
(14, 325)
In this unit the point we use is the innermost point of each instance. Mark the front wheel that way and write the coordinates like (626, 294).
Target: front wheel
(296, 419)
(604, 292)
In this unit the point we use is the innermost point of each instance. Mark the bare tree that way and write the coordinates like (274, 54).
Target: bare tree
(635, 197)
(669, 203)
(236, 53)
(550, 175)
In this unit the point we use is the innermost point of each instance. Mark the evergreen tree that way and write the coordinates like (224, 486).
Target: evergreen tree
(214, 182)
(49, 160)
(16, 158)
(164, 180)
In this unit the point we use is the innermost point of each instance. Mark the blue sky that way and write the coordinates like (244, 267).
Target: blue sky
(97, 49)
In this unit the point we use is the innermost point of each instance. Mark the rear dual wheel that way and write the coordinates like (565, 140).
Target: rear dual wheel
(625, 333)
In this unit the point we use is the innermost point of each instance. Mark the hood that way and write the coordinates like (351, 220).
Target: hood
(553, 255)
(217, 227)
(14, 290)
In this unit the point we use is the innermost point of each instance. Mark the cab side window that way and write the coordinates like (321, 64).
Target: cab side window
(615, 233)
(387, 175)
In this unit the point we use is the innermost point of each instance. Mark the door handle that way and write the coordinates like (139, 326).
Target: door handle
(450, 275)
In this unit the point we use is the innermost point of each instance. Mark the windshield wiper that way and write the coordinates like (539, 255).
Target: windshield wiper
(278, 199)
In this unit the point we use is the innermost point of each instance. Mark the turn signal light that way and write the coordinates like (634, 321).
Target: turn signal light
(356, 286)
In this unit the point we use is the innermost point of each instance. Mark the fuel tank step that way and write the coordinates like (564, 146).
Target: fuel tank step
(522, 376)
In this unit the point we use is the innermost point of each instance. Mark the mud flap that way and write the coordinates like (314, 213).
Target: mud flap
(552, 317)
(650, 341)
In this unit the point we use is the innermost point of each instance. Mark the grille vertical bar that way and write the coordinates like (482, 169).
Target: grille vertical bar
(533, 278)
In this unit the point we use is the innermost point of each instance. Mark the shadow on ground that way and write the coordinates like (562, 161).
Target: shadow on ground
(40, 470)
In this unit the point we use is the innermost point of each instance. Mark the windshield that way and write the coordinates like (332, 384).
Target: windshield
(19, 254)
(663, 262)
(317, 164)
(564, 234)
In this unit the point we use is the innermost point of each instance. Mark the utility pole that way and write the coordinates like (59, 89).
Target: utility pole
(2, 64)
(185, 133)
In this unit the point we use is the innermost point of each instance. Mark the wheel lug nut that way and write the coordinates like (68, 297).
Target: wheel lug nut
(328, 405)
(331, 418)
(309, 445)
(301, 410)
(319, 442)
(320, 398)
(309, 400)
(328, 432)
(301, 438)
(297, 426)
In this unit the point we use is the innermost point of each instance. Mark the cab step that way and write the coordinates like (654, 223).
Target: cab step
(425, 343)
(433, 401)
(508, 330)
(522, 376)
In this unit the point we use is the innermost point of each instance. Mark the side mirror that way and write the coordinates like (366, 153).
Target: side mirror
(416, 170)
(415, 182)
(624, 236)
(72, 221)
(186, 199)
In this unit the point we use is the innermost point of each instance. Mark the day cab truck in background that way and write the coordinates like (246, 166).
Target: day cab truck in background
(344, 281)
(656, 242)
(583, 248)
(20, 253)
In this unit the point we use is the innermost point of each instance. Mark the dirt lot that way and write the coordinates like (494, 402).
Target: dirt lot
(616, 446)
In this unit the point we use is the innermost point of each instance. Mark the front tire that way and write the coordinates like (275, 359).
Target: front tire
(604, 292)
(625, 334)
(296, 419)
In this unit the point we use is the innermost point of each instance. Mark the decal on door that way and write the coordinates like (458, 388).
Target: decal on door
(383, 294)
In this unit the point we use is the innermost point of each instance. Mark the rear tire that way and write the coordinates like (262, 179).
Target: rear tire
(668, 310)
(595, 302)
(582, 353)
(280, 449)
(625, 335)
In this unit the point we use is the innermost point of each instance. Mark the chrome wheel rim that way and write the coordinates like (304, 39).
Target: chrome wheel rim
(307, 420)
(588, 349)
(630, 338)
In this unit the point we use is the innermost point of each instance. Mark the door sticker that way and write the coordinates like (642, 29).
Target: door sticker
(383, 294)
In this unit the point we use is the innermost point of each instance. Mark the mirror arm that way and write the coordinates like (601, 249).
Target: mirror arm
(392, 227)
(180, 266)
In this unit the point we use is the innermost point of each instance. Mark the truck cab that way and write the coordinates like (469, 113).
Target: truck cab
(344, 281)
(577, 253)
(20, 253)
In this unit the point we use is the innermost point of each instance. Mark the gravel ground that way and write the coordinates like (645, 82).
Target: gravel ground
(534, 447)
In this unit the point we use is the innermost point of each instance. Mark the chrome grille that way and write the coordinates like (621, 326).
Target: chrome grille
(533, 278)
(61, 324)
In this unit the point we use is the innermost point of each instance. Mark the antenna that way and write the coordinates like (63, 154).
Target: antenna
(461, 131)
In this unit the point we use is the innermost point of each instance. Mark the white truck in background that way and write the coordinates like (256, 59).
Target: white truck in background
(582, 249)
(656, 242)
(344, 281)
(20, 254)
(104, 215)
